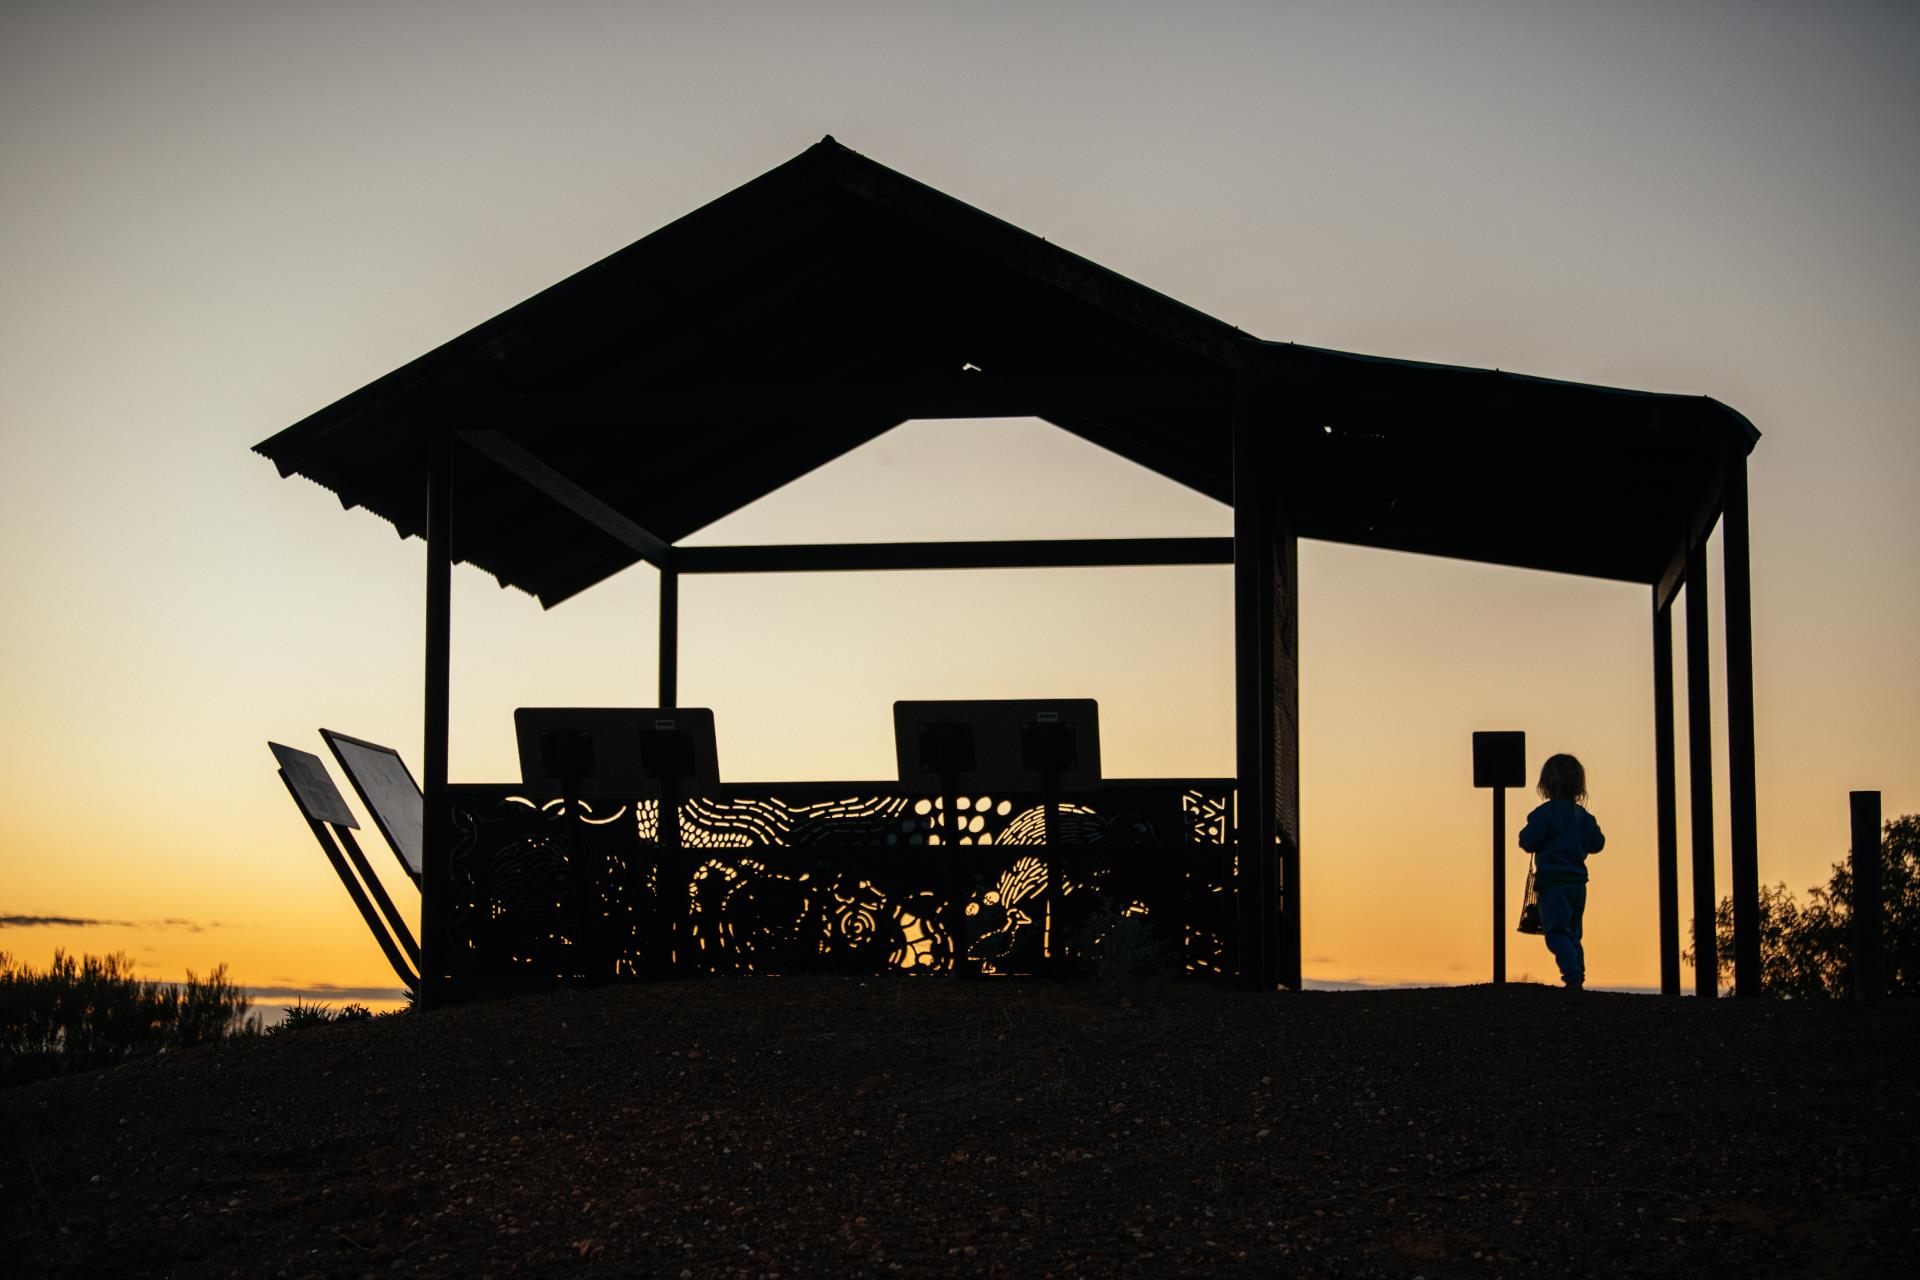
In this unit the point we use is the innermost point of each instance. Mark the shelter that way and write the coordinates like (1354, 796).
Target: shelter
(603, 420)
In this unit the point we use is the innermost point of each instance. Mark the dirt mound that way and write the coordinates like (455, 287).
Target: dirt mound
(897, 1127)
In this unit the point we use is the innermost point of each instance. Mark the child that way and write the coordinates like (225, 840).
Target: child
(1561, 834)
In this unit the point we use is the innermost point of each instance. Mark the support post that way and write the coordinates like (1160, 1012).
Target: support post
(676, 880)
(1706, 951)
(1285, 726)
(1050, 815)
(1741, 800)
(1666, 821)
(1499, 886)
(669, 637)
(674, 876)
(955, 883)
(1253, 630)
(435, 832)
(1869, 953)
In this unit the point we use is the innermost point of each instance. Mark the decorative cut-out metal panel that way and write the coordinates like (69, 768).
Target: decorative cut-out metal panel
(805, 876)
(771, 912)
(1207, 816)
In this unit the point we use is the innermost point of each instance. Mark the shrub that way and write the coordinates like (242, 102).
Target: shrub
(93, 1011)
(301, 1015)
(1806, 951)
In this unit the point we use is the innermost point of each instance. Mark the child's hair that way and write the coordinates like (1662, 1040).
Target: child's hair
(1562, 778)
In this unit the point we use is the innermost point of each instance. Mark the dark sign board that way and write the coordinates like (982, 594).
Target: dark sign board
(319, 799)
(615, 752)
(1499, 759)
(384, 784)
(998, 744)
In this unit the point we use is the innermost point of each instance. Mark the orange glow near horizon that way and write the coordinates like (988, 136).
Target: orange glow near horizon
(1403, 657)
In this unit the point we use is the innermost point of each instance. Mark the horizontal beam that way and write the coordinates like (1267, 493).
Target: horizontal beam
(964, 395)
(1061, 553)
(1517, 554)
(542, 477)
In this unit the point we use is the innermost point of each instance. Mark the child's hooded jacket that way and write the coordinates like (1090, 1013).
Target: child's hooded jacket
(1560, 834)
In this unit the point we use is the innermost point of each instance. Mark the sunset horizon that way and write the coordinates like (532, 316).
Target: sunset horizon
(190, 281)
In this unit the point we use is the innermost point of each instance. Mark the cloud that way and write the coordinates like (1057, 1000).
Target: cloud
(16, 921)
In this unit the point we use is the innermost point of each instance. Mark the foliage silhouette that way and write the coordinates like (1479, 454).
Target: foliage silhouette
(301, 1015)
(91, 1012)
(1806, 951)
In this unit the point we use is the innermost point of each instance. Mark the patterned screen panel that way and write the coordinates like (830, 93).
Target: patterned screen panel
(860, 878)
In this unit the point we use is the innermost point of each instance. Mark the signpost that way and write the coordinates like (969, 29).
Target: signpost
(1499, 762)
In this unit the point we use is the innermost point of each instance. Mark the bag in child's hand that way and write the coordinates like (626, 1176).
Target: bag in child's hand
(1530, 906)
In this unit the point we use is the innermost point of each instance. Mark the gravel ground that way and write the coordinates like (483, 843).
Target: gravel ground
(900, 1127)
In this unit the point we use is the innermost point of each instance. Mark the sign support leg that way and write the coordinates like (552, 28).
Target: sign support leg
(1499, 886)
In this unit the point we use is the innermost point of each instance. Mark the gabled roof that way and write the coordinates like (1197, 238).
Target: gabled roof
(832, 298)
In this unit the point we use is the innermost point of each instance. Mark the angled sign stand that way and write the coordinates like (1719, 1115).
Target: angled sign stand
(332, 823)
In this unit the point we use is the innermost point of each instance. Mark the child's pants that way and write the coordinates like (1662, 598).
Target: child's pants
(1560, 910)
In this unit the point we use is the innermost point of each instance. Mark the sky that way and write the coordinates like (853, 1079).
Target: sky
(218, 218)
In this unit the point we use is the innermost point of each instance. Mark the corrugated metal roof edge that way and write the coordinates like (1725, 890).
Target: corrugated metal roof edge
(1733, 416)
(404, 534)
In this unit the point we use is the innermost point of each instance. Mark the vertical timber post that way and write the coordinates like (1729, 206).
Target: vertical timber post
(670, 871)
(1253, 688)
(669, 637)
(1869, 897)
(1286, 730)
(436, 831)
(1706, 949)
(1666, 822)
(1741, 800)
(1499, 886)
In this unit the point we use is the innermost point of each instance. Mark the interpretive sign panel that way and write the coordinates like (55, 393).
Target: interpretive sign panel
(319, 799)
(615, 752)
(383, 783)
(1499, 759)
(998, 744)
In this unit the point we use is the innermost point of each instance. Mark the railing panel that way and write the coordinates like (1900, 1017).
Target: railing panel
(859, 877)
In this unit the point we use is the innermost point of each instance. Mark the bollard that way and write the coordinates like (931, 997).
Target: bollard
(1869, 952)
